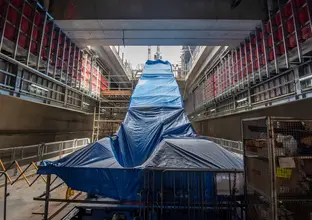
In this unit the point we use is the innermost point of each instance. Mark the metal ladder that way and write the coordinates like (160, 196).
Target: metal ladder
(96, 123)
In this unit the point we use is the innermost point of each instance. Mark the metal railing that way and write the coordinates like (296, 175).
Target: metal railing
(5, 193)
(195, 55)
(41, 151)
(18, 160)
(235, 146)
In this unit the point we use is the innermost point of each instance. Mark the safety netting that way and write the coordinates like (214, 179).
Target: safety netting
(156, 133)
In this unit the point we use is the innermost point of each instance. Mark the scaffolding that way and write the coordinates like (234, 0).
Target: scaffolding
(173, 193)
(108, 116)
(38, 61)
(271, 66)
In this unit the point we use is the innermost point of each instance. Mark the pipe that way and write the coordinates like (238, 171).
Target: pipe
(5, 193)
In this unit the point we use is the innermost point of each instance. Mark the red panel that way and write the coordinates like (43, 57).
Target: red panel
(13, 16)
(253, 40)
(22, 42)
(281, 49)
(34, 48)
(45, 41)
(38, 18)
(287, 11)
(261, 48)
(306, 32)
(270, 41)
(25, 26)
(28, 11)
(54, 42)
(260, 36)
(290, 26)
(249, 68)
(58, 64)
(35, 34)
(3, 8)
(267, 28)
(271, 55)
(278, 19)
(44, 55)
(2, 3)
(262, 61)
(9, 32)
(256, 65)
(292, 41)
(303, 15)
(279, 34)
(299, 2)
(17, 3)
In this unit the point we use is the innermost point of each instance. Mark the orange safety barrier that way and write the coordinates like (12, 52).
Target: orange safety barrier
(21, 172)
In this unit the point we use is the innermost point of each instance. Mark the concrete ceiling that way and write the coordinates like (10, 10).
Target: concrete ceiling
(158, 32)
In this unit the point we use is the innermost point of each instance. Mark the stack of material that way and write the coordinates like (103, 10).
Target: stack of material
(155, 134)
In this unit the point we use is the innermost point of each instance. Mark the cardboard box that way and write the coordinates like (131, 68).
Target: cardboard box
(258, 175)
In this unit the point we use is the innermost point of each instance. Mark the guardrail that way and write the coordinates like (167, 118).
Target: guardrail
(18, 160)
(235, 146)
(41, 151)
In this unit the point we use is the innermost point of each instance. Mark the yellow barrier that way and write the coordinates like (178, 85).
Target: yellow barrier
(21, 172)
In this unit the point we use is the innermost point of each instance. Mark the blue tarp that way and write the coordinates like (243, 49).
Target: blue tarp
(155, 133)
(155, 111)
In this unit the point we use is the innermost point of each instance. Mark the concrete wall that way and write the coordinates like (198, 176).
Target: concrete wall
(161, 9)
(24, 123)
(229, 127)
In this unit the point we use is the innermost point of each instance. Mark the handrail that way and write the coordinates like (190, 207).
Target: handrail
(35, 153)
(41, 150)
(236, 146)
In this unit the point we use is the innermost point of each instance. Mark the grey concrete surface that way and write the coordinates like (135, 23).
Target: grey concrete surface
(20, 203)
(97, 32)
(25, 123)
(229, 127)
(161, 9)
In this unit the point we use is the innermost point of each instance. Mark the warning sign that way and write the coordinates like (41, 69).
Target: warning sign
(283, 172)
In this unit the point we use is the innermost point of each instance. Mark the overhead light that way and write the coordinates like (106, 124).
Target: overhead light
(39, 87)
(85, 103)
(89, 47)
(115, 114)
(305, 78)
(242, 100)
(212, 110)
(198, 115)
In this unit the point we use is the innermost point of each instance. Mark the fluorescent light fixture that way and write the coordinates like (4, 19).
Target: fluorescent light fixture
(213, 110)
(242, 100)
(85, 103)
(39, 87)
(305, 78)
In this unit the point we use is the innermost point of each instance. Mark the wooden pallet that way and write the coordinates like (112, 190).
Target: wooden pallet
(116, 93)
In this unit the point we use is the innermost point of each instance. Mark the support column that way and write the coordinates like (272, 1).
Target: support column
(47, 197)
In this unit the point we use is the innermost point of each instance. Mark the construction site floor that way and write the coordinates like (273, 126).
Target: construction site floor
(20, 203)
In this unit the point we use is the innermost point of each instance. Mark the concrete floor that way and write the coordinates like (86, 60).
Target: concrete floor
(20, 203)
